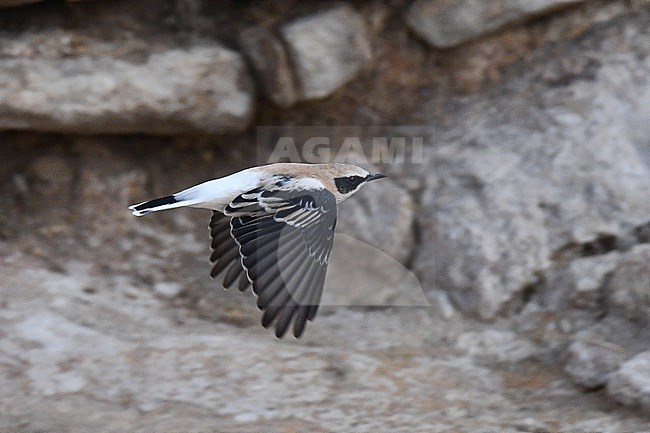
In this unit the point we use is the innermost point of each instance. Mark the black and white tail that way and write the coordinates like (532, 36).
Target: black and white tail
(214, 194)
(163, 203)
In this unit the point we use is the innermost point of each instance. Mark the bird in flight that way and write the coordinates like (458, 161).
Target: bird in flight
(272, 228)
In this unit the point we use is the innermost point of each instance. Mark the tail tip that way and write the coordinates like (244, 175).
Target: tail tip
(139, 213)
(146, 207)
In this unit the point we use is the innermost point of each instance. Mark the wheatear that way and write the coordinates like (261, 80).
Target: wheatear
(272, 227)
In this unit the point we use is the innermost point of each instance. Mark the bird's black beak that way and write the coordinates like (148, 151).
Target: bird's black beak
(375, 177)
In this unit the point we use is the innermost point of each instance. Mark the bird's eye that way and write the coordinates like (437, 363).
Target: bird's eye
(348, 184)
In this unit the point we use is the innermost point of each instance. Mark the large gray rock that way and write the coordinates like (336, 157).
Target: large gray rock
(60, 88)
(328, 49)
(600, 350)
(580, 288)
(512, 183)
(577, 291)
(589, 276)
(494, 215)
(447, 23)
(309, 57)
(271, 63)
(631, 383)
(629, 290)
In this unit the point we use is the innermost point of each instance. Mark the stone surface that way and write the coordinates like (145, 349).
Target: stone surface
(501, 203)
(495, 346)
(383, 216)
(270, 61)
(631, 383)
(589, 277)
(447, 23)
(137, 365)
(327, 49)
(629, 291)
(600, 350)
(481, 61)
(178, 90)
(578, 290)
(310, 57)
(168, 289)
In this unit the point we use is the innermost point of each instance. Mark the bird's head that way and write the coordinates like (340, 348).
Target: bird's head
(345, 179)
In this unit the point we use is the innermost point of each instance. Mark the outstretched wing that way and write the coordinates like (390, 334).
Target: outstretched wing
(285, 239)
(225, 253)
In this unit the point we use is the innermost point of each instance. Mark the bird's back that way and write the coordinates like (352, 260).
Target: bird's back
(217, 193)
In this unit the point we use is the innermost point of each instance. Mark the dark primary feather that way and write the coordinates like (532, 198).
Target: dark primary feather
(281, 241)
(225, 253)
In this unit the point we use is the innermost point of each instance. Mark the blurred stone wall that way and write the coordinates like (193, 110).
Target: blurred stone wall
(529, 211)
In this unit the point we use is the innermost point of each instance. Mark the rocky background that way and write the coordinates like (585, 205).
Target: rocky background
(511, 261)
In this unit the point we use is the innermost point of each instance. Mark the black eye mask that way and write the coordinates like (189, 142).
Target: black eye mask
(348, 184)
